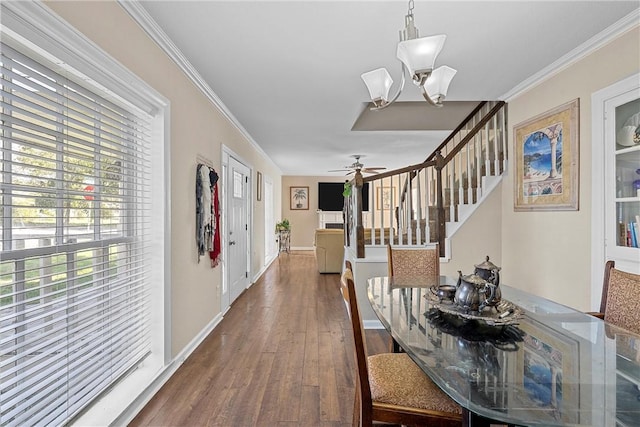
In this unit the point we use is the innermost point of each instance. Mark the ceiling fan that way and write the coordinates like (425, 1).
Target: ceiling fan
(357, 166)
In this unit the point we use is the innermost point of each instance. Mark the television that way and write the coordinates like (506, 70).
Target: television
(330, 196)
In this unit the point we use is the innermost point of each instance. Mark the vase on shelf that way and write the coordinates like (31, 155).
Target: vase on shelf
(636, 184)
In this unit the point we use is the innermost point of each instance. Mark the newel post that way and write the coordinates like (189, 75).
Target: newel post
(359, 183)
(440, 218)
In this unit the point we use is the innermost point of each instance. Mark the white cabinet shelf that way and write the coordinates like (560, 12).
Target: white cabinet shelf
(625, 167)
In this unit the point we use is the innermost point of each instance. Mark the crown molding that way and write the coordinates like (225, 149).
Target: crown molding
(153, 30)
(625, 24)
(35, 25)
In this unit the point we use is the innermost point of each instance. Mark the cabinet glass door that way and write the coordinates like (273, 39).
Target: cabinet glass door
(627, 173)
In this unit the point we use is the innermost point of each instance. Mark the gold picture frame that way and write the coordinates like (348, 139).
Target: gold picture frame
(258, 186)
(547, 160)
(299, 198)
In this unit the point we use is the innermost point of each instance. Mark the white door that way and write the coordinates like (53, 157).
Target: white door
(270, 249)
(238, 196)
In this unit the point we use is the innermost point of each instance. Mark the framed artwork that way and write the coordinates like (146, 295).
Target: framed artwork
(549, 368)
(385, 197)
(547, 160)
(299, 198)
(259, 186)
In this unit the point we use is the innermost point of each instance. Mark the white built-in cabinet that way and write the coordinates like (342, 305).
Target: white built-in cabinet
(615, 168)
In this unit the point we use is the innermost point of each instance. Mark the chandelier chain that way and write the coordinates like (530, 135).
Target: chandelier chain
(410, 11)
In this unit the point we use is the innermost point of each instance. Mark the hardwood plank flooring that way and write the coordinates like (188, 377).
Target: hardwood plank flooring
(282, 356)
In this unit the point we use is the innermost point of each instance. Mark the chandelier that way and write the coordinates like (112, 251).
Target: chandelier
(418, 56)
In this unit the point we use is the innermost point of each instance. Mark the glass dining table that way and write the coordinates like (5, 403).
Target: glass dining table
(550, 366)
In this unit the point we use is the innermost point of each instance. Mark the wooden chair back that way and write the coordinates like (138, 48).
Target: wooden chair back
(620, 300)
(362, 383)
(366, 411)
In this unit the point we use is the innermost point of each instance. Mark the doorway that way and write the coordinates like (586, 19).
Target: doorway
(237, 243)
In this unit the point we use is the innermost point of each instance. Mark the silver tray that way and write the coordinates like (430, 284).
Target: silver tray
(490, 315)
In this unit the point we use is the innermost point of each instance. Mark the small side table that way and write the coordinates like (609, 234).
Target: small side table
(284, 239)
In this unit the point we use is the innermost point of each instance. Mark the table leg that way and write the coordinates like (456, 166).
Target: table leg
(395, 347)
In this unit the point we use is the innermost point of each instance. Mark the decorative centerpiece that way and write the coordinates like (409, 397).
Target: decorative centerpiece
(477, 296)
(479, 290)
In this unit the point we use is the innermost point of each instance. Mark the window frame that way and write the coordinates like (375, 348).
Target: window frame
(34, 26)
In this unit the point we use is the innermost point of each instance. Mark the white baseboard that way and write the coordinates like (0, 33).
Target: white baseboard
(263, 269)
(163, 376)
(372, 324)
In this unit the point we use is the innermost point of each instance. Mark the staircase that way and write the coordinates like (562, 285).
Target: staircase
(427, 202)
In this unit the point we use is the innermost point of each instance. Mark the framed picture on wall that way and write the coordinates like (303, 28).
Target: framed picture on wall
(385, 198)
(299, 198)
(546, 146)
(259, 186)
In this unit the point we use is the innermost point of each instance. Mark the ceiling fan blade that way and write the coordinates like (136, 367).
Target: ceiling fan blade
(358, 167)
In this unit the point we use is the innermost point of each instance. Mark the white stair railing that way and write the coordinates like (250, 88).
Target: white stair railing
(412, 205)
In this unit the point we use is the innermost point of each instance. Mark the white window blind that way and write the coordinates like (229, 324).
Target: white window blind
(75, 241)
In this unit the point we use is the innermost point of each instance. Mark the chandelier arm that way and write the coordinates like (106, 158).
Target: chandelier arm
(400, 88)
(426, 96)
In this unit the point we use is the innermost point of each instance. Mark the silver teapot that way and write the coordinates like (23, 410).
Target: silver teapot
(488, 271)
(475, 292)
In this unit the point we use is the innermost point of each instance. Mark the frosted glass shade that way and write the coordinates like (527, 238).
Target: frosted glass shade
(378, 82)
(420, 54)
(438, 82)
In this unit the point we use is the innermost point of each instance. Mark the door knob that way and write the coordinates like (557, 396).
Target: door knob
(232, 243)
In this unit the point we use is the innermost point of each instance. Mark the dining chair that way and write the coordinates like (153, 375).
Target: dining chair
(390, 387)
(413, 263)
(620, 301)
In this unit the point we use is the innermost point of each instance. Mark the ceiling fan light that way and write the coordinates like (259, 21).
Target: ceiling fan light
(419, 55)
(437, 85)
(378, 83)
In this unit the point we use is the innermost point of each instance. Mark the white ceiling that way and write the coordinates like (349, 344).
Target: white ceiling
(289, 71)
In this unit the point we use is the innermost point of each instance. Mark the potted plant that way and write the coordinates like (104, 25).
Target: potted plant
(283, 226)
(347, 189)
(299, 195)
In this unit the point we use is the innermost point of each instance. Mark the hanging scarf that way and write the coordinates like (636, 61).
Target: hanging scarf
(217, 249)
(200, 240)
(207, 214)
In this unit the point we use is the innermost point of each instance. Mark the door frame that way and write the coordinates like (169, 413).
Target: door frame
(226, 192)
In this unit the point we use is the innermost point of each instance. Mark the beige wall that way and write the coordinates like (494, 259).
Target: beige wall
(549, 253)
(196, 128)
(479, 237)
(303, 222)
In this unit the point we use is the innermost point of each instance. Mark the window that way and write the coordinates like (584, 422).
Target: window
(237, 184)
(75, 255)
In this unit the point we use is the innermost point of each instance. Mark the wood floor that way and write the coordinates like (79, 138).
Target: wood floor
(282, 356)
